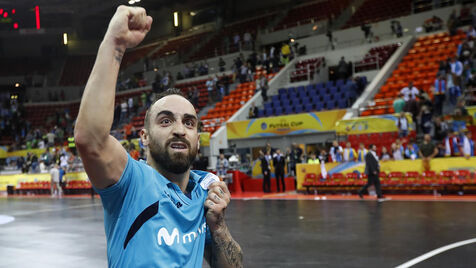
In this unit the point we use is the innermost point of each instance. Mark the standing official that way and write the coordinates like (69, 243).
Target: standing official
(372, 169)
(279, 162)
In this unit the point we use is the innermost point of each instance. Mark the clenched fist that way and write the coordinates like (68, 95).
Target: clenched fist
(216, 203)
(128, 27)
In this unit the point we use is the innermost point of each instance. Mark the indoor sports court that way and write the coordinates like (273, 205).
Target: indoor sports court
(274, 232)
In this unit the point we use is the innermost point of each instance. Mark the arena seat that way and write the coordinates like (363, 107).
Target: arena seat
(378, 10)
(376, 57)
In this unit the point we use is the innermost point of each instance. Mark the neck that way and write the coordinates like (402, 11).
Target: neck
(181, 180)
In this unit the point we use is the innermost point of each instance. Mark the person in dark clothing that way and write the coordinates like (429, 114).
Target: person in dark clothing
(372, 169)
(266, 172)
(295, 157)
(367, 29)
(342, 69)
(279, 162)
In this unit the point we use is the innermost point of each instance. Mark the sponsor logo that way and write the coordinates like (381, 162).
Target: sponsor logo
(164, 237)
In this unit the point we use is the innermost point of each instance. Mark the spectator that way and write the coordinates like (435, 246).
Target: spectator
(221, 64)
(179, 76)
(285, 53)
(248, 39)
(399, 104)
(331, 39)
(427, 152)
(367, 29)
(361, 153)
(253, 112)
(440, 129)
(349, 153)
(385, 156)
(225, 81)
(456, 67)
(313, 159)
(336, 152)
(411, 152)
(243, 73)
(279, 162)
(468, 145)
(396, 28)
(452, 145)
(439, 91)
(342, 69)
(210, 84)
(222, 166)
(265, 169)
(263, 87)
(50, 136)
(397, 153)
(295, 157)
(55, 181)
(237, 42)
(133, 151)
(425, 119)
(402, 125)
(409, 92)
(64, 161)
(452, 23)
(455, 91)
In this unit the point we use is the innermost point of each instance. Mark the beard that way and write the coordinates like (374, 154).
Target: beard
(177, 162)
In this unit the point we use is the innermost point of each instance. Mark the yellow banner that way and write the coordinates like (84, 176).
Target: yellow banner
(437, 165)
(17, 178)
(204, 139)
(5, 154)
(472, 112)
(370, 124)
(284, 125)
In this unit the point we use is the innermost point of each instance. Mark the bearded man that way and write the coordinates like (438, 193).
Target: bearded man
(159, 213)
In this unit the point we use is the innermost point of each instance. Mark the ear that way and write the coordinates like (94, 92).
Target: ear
(144, 137)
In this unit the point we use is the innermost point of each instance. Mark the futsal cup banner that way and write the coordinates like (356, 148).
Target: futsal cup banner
(370, 124)
(284, 125)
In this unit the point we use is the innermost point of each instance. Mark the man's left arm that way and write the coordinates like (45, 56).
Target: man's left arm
(224, 250)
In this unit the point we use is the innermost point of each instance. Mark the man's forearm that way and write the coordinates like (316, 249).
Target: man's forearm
(225, 251)
(97, 105)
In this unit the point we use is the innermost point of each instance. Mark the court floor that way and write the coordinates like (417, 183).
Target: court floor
(272, 232)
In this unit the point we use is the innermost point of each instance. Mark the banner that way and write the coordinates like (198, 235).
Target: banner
(437, 165)
(370, 124)
(17, 178)
(284, 125)
(204, 139)
(472, 112)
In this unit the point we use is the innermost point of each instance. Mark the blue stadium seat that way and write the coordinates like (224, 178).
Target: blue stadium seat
(275, 98)
(278, 110)
(295, 102)
(319, 85)
(305, 101)
(318, 106)
(260, 113)
(312, 93)
(268, 105)
(285, 102)
(329, 84)
(327, 98)
(288, 109)
(340, 83)
(292, 95)
(322, 91)
(308, 107)
(268, 112)
(302, 95)
(310, 87)
(331, 105)
(283, 97)
(298, 109)
(342, 103)
(300, 88)
(291, 90)
(333, 90)
(282, 91)
(316, 99)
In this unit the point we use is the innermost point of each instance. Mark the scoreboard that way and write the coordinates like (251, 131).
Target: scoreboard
(15, 19)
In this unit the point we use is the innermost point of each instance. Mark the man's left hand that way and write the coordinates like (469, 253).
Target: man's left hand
(217, 201)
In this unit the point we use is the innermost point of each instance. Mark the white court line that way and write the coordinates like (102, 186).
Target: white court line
(436, 252)
(23, 213)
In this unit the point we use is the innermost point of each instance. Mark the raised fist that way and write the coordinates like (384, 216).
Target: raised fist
(128, 27)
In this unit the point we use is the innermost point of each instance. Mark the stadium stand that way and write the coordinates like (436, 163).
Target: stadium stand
(420, 65)
(376, 58)
(305, 69)
(179, 45)
(76, 70)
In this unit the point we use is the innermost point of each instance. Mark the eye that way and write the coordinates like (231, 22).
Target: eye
(189, 123)
(165, 122)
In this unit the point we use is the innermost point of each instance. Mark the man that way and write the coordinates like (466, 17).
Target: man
(349, 153)
(410, 92)
(313, 159)
(265, 169)
(398, 104)
(55, 181)
(222, 166)
(467, 145)
(372, 169)
(342, 69)
(456, 67)
(427, 152)
(279, 162)
(295, 157)
(361, 153)
(159, 213)
(402, 125)
(336, 152)
(439, 91)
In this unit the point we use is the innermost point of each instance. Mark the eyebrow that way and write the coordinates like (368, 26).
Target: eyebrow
(169, 113)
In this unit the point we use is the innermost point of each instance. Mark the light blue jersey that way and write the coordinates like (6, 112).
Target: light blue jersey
(150, 222)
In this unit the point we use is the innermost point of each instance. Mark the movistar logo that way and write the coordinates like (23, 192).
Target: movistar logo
(175, 237)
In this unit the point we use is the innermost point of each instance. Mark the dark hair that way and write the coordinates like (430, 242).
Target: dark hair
(168, 92)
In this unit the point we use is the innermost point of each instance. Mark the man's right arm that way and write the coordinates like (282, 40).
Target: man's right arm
(103, 157)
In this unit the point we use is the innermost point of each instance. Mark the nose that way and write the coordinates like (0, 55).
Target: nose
(179, 129)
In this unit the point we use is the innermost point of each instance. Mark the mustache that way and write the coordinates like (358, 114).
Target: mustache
(178, 140)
